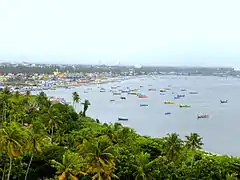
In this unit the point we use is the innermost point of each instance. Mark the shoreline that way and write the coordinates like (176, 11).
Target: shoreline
(31, 88)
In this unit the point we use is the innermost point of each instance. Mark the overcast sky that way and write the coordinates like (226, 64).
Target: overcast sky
(153, 32)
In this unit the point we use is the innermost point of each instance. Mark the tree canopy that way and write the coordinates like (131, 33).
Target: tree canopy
(40, 139)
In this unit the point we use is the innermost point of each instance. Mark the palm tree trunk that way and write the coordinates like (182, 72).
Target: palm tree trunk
(30, 162)
(51, 134)
(193, 154)
(3, 175)
(10, 168)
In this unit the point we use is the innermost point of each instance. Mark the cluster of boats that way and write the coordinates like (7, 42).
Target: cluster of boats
(116, 91)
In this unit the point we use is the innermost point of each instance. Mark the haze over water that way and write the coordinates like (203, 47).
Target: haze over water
(220, 131)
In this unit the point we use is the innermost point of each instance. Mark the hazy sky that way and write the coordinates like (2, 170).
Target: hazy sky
(153, 32)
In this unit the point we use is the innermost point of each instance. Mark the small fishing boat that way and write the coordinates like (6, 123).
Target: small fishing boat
(122, 119)
(203, 116)
(151, 89)
(193, 92)
(184, 106)
(167, 89)
(125, 91)
(132, 93)
(102, 90)
(176, 97)
(142, 96)
(123, 97)
(143, 105)
(181, 95)
(223, 101)
(112, 100)
(162, 94)
(168, 113)
(113, 87)
(168, 102)
(163, 90)
(141, 86)
(116, 93)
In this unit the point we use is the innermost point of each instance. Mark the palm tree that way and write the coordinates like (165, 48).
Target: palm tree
(85, 104)
(142, 166)
(35, 143)
(173, 146)
(194, 142)
(53, 120)
(17, 94)
(76, 99)
(12, 139)
(28, 93)
(100, 158)
(69, 167)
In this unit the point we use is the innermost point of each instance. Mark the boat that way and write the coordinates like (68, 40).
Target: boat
(176, 97)
(116, 93)
(168, 113)
(111, 100)
(102, 90)
(203, 116)
(122, 119)
(181, 95)
(163, 90)
(184, 106)
(142, 96)
(125, 91)
(168, 102)
(85, 91)
(152, 89)
(162, 94)
(123, 97)
(113, 87)
(183, 90)
(143, 105)
(193, 92)
(132, 93)
(223, 101)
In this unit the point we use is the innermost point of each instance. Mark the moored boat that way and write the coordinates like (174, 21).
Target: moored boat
(223, 101)
(202, 116)
(184, 106)
(116, 93)
(142, 105)
(193, 92)
(168, 102)
(163, 90)
(181, 95)
(168, 113)
(142, 96)
(152, 89)
(123, 97)
(123, 119)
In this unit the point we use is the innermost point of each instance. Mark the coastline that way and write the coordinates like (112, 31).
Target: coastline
(29, 87)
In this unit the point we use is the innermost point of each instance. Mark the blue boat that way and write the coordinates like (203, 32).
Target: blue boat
(168, 113)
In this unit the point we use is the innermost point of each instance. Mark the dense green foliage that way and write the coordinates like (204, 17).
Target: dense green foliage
(40, 139)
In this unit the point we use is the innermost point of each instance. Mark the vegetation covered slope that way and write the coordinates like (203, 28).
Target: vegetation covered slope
(40, 139)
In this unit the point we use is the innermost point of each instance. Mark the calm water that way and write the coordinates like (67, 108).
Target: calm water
(220, 132)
